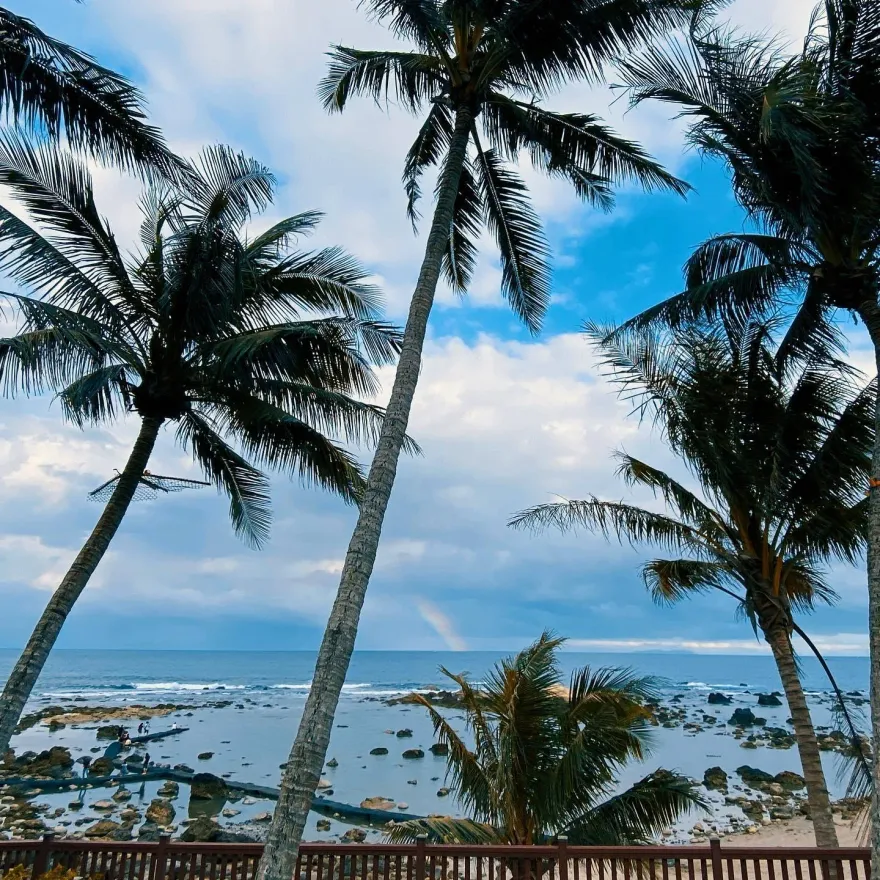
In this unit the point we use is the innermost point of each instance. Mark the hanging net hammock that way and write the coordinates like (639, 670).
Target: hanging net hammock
(150, 486)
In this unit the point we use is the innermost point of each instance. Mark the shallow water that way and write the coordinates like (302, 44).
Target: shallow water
(251, 737)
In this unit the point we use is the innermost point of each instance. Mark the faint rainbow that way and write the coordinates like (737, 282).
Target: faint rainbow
(441, 624)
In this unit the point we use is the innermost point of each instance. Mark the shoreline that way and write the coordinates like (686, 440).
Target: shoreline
(736, 742)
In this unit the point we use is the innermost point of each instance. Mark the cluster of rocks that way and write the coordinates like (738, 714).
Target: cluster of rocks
(58, 717)
(438, 698)
(54, 763)
(761, 796)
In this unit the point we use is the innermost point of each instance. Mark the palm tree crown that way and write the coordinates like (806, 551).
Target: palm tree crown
(240, 341)
(55, 89)
(781, 454)
(546, 758)
(495, 59)
(801, 138)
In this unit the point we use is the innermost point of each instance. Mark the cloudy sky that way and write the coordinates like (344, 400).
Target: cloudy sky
(505, 420)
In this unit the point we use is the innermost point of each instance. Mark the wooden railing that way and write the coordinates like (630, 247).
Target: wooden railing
(167, 860)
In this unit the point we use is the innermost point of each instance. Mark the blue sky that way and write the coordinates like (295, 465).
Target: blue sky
(505, 420)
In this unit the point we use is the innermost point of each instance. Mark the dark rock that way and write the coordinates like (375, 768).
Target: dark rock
(323, 825)
(442, 792)
(411, 754)
(754, 777)
(202, 830)
(101, 767)
(441, 699)
(789, 780)
(160, 811)
(439, 749)
(184, 768)
(206, 787)
(333, 762)
(715, 778)
(109, 829)
(107, 731)
(746, 718)
(406, 732)
(355, 835)
(379, 751)
(716, 699)
(149, 831)
(169, 789)
(205, 756)
(769, 700)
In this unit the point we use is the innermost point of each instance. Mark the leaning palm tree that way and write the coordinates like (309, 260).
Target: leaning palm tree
(54, 89)
(254, 351)
(546, 758)
(780, 452)
(480, 69)
(801, 137)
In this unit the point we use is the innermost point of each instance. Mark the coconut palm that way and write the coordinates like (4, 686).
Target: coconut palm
(254, 351)
(56, 90)
(546, 758)
(780, 452)
(801, 137)
(480, 71)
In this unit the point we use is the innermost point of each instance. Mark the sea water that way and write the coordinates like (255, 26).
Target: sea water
(251, 737)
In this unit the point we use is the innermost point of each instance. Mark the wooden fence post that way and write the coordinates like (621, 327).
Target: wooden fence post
(159, 863)
(420, 856)
(41, 858)
(562, 858)
(715, 847)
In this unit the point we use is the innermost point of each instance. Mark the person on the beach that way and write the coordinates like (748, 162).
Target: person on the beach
(140, 728)
(174, 726)
(86, 761)
(146, 762)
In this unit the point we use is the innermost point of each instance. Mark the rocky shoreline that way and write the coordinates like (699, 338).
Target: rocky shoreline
(746, 800)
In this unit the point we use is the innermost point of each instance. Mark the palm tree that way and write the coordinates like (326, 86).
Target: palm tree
(801, 137)
(474, 61)
(56, 90)
(240, 342)
(780, 452)
(546, 759)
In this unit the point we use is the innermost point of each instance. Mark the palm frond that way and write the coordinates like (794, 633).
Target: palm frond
(671, 580)
(273, 438)
(426, 151)
(410, 78)
(96, 397)
(627, 522)
(247, 488)
(525, 270)
(49, 85)
(444, 830)
(639, 814)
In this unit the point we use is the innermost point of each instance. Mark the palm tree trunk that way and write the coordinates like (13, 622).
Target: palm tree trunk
(805, 735)
(26, 672)
(303, 768)
(870, 314)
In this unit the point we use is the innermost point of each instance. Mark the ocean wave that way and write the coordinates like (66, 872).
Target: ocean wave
(182, 686)
(141, 690)
(705, 686)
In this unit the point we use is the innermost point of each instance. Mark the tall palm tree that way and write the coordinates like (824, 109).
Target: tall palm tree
(54, 89)
(253, 350)
(546, 759)
(780, 452)
(801, 137)
(480, 68)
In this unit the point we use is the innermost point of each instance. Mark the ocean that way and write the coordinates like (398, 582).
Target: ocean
(250, 737)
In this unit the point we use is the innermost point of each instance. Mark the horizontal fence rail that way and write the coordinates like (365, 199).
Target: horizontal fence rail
(167, 860)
